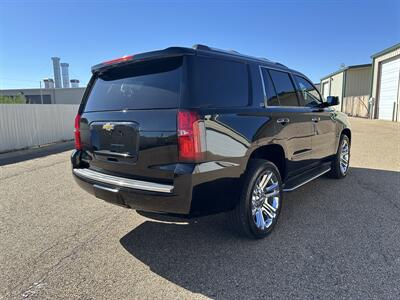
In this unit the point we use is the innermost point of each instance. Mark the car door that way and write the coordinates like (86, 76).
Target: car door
(293, 129)
(323, 119)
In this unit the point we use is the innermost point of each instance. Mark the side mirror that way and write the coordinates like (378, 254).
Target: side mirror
(332, 101)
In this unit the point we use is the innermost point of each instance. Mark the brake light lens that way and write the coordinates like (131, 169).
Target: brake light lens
(78, 143)
(191, 136)
(118, 60)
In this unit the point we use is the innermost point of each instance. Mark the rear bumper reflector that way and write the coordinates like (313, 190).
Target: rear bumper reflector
(123, 182)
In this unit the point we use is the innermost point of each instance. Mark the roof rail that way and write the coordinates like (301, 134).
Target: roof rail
(207, 48)
(277, 63)
(232, 52)
(200, 47)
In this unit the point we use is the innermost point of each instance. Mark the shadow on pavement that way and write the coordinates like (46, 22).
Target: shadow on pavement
(24, 155)
(334, 239)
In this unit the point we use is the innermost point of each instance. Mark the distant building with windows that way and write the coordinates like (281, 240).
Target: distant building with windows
(48, 95)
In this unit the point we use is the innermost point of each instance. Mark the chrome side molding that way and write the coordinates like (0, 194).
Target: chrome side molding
(123, 182)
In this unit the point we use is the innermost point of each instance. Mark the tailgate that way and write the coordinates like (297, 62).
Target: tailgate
(129, 119)
(131, 144)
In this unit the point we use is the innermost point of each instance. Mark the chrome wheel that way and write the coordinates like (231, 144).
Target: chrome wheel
(344, 156)
(265, 200)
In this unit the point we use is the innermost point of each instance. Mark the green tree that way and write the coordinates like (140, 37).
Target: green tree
(18, 99)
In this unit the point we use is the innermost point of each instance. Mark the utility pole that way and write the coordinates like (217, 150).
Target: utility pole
(41, 94)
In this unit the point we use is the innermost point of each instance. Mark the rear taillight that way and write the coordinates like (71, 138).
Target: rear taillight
(78, 143)
(191, 136)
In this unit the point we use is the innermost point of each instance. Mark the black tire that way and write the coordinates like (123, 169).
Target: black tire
(242, 216)
(336, 171)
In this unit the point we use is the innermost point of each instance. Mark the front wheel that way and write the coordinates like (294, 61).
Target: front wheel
(258, 209)
(341, 162)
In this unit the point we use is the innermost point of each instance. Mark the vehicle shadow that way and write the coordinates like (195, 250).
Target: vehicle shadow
(28, 154)
(328, 243)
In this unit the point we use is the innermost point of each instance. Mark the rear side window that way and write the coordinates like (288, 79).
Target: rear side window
(155, 84)
(284, 88)
(270, 95)
(218, 83)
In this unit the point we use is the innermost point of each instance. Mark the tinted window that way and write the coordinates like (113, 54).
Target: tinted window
(271, 97)
(218, 83)
(144, 85)
(284, 88)
(310, 94)
(37, 99)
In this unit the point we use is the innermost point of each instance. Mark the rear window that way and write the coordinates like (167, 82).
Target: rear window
(218, 83)
(155, 84)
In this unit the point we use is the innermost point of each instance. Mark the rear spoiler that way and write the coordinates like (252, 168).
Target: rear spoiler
(128, 59)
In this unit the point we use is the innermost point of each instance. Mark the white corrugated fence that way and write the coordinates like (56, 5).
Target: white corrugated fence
(29, 125)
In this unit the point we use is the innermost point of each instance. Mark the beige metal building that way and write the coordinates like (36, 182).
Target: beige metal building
(48, 96)
(352, 85)
(385, 94)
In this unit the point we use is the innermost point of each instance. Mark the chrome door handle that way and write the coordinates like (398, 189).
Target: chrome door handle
(316, 119)
(283, 121)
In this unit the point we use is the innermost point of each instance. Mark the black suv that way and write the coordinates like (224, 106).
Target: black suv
(192, 131)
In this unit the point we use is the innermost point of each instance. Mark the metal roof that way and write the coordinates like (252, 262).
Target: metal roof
(387, 50)
(346, 68)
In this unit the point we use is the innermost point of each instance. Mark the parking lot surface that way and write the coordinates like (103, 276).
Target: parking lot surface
(335, 238)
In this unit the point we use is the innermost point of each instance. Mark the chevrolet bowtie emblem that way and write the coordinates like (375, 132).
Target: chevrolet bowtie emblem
(108, 126)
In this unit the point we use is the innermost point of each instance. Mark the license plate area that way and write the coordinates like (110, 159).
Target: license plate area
(115, 141)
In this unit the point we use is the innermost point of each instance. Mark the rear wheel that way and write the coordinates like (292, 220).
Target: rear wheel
(341, 162)
(260, 202)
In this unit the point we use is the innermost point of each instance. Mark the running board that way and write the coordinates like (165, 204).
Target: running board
(301, 180)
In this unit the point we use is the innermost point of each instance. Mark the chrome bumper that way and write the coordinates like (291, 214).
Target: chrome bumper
(123, 182)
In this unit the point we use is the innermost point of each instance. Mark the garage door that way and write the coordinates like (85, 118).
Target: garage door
(325, 89)
(389, 88)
